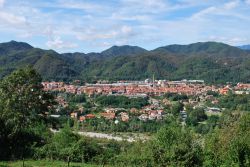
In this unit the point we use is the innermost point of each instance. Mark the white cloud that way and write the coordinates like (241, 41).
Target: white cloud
(225, 9)
(72, 4)
(121, 42)
(146, 3)
(110, 33)
(144, 6)
(2, 3)
(147, 23)
(57, 43)
(228, 40)
(127, 17)
(104, 44)
(12, 19)
(204, 12)
(231, 5)
(94, 34)
(126, 29)
(49, 31)
(25, 35)
(247, 2)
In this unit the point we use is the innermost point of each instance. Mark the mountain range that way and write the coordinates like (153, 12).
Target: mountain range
(212, 61)
(244, 47)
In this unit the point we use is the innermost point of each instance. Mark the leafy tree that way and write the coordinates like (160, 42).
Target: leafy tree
(195, 116)
(22, 103)
(235, 102)
(122, 101)
(68, 146)
(211, 123)
(139, 154)
(230, 145)
(175, 146)
(176, 108)
(74, 98)
(175, 96)
(215, 94)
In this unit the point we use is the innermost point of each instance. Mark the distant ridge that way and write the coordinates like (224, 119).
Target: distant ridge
(211, 61)
(212, 48)
(11, 46)
(123, 50)
(244, 47)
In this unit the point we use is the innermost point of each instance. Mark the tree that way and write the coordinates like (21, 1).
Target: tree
(230, 145)
(136, 154)
(22, 103)
(176, 108)
(175, 146)
(195, 116)
(69, 146)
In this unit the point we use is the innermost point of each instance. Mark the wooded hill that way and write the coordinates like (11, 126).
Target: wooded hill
(212, 61)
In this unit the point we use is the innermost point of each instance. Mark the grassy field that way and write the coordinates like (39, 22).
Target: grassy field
(32, 163)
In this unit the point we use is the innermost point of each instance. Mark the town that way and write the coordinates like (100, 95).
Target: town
(124, 83)
(145, 88)
(194, 93)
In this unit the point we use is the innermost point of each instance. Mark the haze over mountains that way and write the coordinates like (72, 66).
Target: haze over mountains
(211, 61)
(244, 47)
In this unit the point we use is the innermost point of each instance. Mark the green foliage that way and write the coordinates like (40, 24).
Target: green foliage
(175, 96)
(22, 97)
(122, 101)
(22, 105)
(176, 108)
(214, 48)
(139, 154)
(66, 145)
(208, 126)
(133, 125)
(122, 50)
(213, 93)
(195, 116)
(230, 145)
(43, 163)
(211, 61)
(235, 102)
(24, 132)
(69, 146)
(176, 146)
(73, 98)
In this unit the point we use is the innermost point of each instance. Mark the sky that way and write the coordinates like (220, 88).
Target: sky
(95, 25)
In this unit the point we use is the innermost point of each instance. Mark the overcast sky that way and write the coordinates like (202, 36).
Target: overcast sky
(95, 25)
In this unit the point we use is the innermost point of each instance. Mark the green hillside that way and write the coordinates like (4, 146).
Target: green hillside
(115, 51)
(208, 48)
(211, 61)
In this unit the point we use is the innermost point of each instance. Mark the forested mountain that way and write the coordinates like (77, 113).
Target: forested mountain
(47, 62)
(204, 48)
(115, 51)
(211, 61)
(13, 46)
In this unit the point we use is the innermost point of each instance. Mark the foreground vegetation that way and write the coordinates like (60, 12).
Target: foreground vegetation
(25, 133)
(43, 163)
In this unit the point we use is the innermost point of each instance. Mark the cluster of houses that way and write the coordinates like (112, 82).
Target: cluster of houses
(189, 87)
(137, 89)
(240, 88)
(150, 112)
(154, 111)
